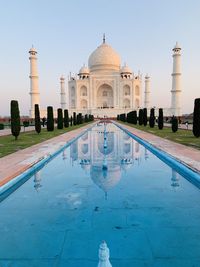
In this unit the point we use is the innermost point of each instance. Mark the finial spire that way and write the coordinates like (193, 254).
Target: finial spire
(104, 38)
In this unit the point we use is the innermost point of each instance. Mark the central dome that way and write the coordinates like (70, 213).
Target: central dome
(104, 58)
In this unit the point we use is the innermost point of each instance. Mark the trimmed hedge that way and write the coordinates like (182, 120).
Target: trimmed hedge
(196, 118)
(37, 119)
(15, 119)
(50, 119)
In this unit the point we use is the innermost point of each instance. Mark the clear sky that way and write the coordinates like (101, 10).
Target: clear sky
(65, 33)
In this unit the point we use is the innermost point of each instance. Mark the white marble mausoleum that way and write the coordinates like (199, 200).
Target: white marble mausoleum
(104, 88)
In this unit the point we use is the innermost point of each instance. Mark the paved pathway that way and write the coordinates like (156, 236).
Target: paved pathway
(16, 163)
(187, 155)
(23, 129)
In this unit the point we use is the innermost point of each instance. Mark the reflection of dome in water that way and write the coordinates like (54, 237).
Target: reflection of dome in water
(105, 179)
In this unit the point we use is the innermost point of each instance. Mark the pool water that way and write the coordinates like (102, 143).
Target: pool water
(105, 186)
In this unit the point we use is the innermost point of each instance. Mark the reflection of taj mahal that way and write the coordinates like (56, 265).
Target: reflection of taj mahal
(120, 153)
(104, 88)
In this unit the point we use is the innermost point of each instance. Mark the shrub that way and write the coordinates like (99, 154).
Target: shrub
(123, 117)
(80, 118)
(174, 124)
(86, 118)
(26, 123)
(152, 118)
(145, 117)
(160, 119)
(134, 119)
(1, 126)
(128, 117)
(140, 119)
(71, 121)
(91, 117)
(66, 118)
(50, 119)
(15, 119)
(59, 118)
(37, 119)
(74, 118)
(196, 118)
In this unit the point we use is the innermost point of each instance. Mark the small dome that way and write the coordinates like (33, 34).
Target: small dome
(104, 58)
(126, 69)
(84, 70)
(177, 46)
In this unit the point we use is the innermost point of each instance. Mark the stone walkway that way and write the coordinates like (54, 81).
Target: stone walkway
(187, 155)
(16, 163)
(23, 129)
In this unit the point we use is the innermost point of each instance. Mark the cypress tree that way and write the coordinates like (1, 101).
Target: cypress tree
(134, 117)
(50, 119)
(196, 118)
(174, 124)
(145, 117)
(140, 116)
(37, 119)
(66, 118)
(59, 118)
(15, 118)
(123, 117)
(128, 117)
(74, 118)
(71, 121)
(118, 117)
(80, 118)
(160, 119)
(152, 118)
(86, 118)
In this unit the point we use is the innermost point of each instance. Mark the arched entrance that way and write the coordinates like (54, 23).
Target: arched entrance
(105, 96)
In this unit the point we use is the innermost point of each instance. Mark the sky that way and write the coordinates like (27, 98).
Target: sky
(66, 32)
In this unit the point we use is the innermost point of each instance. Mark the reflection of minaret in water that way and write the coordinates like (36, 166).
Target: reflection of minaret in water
(64, 154)
(175, 179)
(105, 165)
(37, 181)
(146, 154)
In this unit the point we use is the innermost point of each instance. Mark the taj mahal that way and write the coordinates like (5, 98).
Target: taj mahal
(105, 88)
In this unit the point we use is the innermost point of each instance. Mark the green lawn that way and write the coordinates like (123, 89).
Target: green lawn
(184, 137)
(8, 144)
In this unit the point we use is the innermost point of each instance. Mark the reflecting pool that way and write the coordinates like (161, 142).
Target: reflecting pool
(105, 186)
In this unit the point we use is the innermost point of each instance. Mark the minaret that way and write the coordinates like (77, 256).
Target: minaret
(176, 82)
(62, 93)
(147, 92)
(34, 89)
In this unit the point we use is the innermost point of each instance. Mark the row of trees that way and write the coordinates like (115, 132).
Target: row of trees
(65, 121)
(62, 121)
(142, 118)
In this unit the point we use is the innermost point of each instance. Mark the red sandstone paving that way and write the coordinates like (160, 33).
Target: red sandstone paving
(16, 163)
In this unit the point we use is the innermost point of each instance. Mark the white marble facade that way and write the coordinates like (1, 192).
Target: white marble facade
(104, 88)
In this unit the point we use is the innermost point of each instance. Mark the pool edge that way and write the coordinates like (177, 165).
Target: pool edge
(181, 167)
